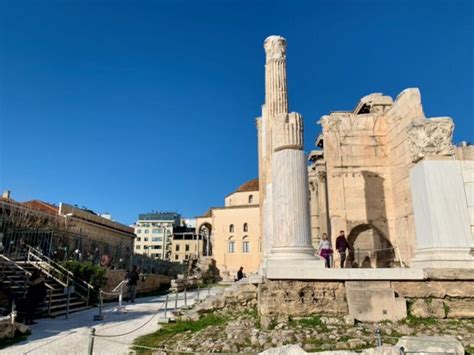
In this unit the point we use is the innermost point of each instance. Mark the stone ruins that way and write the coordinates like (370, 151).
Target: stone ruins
(378, 175)
(283, 172)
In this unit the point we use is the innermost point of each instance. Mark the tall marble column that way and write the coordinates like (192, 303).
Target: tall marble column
(276, 102)
(290, 229)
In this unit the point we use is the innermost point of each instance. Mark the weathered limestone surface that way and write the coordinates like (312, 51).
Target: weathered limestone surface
(431, 345)
(437, 289)
(9, 330)
(367, 155)
(298, 298)
(460, 308)
(374, 301)
(428, 308)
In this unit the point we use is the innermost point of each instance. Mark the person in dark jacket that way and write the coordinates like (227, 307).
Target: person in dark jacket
(132, 281)
(34, 296)
(240, 274)
(341, 246)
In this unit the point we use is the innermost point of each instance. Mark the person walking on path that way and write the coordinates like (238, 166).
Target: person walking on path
(132, 281)
(342, 245)
(325, 249)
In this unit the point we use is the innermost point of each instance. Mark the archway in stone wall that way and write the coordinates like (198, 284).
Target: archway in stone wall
(369, 248)
(205, 231)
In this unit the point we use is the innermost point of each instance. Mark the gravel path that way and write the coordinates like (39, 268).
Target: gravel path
(71, 336)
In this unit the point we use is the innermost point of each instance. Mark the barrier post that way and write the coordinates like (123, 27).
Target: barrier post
(166, 305)
(101, 302)
(91, 342)
(68, 299)
(13, 318)
(378, 335)
(176, 301)
(185, 296)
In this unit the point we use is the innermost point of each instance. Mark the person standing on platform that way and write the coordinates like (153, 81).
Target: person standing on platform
(342, 245)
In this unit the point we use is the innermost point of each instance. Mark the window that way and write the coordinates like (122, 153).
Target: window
(177, 247)
(231, 228)
(139, 239)
(186, 248)
(137, 247)
(156, 239)
(245, 246)
(231, 246)
(156, 246)
(146, 231)
(145, 239)
(250, 198)
(176, 257)
(246, 227)
(139, 231)
(186, 256)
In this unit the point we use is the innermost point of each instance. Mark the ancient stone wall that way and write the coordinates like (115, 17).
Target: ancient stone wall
(147, 283)
(430, 298)
(368, 154)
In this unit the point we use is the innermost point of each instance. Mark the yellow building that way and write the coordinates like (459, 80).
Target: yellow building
(234, 231)
(185, 245)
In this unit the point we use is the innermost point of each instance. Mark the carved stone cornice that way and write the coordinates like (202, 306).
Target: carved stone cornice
(322, 176)
(431, 137)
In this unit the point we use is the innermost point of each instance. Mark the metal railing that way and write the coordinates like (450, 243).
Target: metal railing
(59, 273)
(15, 266)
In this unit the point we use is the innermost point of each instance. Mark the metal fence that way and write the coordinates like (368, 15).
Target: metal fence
(62, 246)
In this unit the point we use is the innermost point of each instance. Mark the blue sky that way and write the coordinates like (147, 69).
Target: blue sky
(132, 106)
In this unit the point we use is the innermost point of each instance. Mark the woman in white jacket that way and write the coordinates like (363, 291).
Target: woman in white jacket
(325, 249)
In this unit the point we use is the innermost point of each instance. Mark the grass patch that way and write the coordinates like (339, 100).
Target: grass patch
(344, 338)
(415, 321)
(309, 322)
(446, 309)
(167, 331)
(253, 314)
(5, 343)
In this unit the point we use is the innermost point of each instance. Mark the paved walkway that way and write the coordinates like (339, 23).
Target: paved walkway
(71, 336)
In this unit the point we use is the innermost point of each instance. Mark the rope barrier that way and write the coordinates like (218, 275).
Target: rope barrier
(131, 331)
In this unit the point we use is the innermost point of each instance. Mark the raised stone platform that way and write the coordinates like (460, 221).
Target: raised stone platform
(306, 270)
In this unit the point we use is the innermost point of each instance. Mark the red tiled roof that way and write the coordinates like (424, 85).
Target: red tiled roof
(42, 206)
(251, 185)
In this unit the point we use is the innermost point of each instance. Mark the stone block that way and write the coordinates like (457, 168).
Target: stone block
(460, 308)
(436, 289)
(443, 235)
(374, 302)
(299, 298)
(427, 308)
(431, 345)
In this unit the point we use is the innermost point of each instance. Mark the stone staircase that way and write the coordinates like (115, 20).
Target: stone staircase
(15, 276)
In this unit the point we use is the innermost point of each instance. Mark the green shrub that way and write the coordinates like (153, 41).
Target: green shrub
(90, 273)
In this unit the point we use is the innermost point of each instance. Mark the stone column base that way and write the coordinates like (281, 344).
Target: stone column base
(292, 269)
(436, 258)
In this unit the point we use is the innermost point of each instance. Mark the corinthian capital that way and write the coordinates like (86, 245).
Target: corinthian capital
(275, 47)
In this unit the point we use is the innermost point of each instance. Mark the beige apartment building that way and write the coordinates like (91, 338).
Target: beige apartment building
(155, 234)
(186, 244)
(234, 231)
